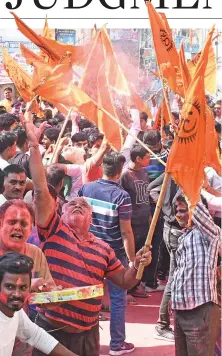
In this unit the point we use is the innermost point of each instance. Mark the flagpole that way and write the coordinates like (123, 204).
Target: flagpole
(130, 133)
(60, 134)
(156, 214)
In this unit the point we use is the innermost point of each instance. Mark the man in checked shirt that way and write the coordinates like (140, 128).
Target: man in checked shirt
(194, 286)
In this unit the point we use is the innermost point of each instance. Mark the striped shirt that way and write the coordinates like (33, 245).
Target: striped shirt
(195, 281)
(75, 263)
(110, 203)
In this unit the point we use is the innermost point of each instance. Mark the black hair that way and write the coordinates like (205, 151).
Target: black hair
(15, 263)
(2, 110)
(217, 126)
(7, 139)
(137, 151)
(54, 175)
(59, 117)
(21, 136)
(68, 127)
(7, 120)
(143, 115)
(47, 114)
(13, 168)
(113, 163)
(52, 133)
(84, 123)
(79, 136)
(152, 137)
(2, 177)
(16, 203)
(93, 136)
(8, 88)
(176, 115)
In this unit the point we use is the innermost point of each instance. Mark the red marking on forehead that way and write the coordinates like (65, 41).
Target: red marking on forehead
(19, 281)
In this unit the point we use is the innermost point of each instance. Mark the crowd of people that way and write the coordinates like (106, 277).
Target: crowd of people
(78, 213)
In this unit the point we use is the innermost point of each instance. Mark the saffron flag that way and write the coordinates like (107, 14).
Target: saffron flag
(186, 160)
(166, 53)
(20, 78)
(184, 69)
(57, 88)
(95, 83)
(47, 33)
(210, 79)
(36, 39)
(53, 49)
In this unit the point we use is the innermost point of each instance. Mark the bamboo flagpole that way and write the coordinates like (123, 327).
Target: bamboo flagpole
(60, 134)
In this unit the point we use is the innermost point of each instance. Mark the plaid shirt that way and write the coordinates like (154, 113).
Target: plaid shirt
(195, 280)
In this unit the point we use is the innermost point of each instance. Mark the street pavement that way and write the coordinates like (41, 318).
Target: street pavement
(140, 324)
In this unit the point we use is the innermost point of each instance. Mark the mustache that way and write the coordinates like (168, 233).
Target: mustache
(13, 299)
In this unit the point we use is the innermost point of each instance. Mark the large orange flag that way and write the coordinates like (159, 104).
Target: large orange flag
(20, 78)
(166, 53)
(65, 95)
(184, 69)
(186, 159)
(95, 82)
(53, 49)
(211, 71)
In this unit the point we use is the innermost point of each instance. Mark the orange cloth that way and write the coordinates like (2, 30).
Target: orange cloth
(166, 53)
(186, 78)
(186, 160)
(95, 82)
(160, 122)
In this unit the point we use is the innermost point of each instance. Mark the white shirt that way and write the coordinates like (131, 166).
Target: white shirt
(2, 199)
(3, 163)
(22, 327)
(214, 179)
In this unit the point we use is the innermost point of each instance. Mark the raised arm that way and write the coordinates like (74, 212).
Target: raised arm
(44, 203)
(201, 217)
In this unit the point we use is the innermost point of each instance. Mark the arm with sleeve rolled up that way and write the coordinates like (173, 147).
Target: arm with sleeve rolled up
(44, 203)
(35, 336)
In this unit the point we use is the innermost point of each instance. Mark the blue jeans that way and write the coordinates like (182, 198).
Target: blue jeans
(118, 308)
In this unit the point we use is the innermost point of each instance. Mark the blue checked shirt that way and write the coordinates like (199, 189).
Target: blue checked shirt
(195, 281)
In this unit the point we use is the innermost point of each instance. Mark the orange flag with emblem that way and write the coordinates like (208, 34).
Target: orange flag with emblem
(186, 160)
(166, 54)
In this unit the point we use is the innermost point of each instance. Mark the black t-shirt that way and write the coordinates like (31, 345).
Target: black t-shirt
(136, 184)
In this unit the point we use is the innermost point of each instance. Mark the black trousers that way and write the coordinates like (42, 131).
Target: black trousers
(85, 343)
